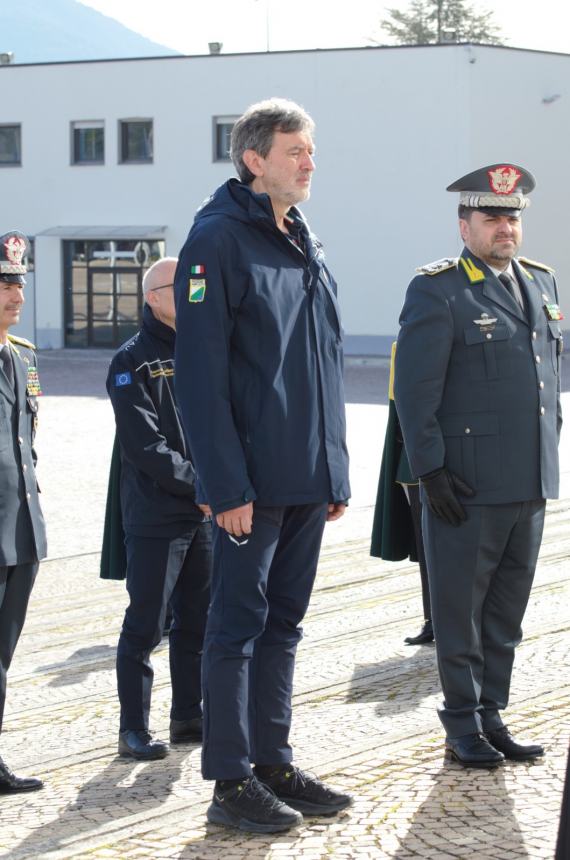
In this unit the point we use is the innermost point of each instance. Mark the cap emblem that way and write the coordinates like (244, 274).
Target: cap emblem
(15, 250)
(503, 180)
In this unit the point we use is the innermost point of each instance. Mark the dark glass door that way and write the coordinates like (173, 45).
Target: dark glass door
(114, 305)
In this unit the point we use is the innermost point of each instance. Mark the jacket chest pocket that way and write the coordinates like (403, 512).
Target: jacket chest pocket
(555, 344)
(488, 352)
(32, 413)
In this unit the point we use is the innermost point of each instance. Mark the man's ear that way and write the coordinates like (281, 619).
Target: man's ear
(253, 161)
(463, 228)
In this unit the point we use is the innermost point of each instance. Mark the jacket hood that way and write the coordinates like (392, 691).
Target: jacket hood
(236, 200)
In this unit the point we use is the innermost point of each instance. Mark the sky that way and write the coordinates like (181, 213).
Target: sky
(260, 25)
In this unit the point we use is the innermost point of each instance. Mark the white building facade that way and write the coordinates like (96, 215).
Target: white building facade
(104, 164)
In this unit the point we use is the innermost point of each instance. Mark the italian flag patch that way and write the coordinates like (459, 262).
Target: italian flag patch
(198, 270)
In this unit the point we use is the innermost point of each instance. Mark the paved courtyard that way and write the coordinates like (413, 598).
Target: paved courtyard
(364, 706)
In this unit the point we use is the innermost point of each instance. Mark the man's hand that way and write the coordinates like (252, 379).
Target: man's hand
(206, 510)
(237, 521)
(335, 511)
(440, 488)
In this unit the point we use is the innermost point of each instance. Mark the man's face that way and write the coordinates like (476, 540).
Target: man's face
(287, 171)
(11, 301)
(495, 239)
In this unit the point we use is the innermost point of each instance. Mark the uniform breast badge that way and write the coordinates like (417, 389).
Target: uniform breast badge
(486, 323)
(552, 311)
(33, 387)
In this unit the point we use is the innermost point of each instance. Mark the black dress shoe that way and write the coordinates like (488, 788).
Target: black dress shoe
(186, 731)
(140, 745)
(503, 741)
(473, 750)
(12, 784)
(424, 636)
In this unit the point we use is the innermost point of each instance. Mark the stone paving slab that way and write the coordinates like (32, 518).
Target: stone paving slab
(364, 703)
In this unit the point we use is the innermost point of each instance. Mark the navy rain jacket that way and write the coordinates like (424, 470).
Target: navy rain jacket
(259, 361)
(157, 476)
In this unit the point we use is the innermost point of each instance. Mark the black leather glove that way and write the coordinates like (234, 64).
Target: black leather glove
(440, 489)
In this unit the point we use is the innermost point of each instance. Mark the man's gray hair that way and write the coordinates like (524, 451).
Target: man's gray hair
(256, 127)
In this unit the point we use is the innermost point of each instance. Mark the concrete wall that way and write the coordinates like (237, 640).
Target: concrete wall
(394, 127)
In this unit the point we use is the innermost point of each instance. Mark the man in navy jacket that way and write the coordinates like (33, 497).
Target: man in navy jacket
(478, 396)
(259, 382)
(167, 536)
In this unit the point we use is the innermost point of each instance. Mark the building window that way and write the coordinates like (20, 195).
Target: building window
(135, 141)
(88, 142)
(103, 289)
(222, 136)
(10, 144)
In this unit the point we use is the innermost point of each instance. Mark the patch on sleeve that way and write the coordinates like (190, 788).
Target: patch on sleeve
(197, 289)
(198, 269)
(438, 266)
(122, 379)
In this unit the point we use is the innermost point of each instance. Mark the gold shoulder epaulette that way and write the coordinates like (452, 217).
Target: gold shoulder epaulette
(526, 262)
(21, 340)
(438, 266)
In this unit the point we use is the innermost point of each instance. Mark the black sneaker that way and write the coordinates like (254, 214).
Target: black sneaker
(249, 805)
(303, 791)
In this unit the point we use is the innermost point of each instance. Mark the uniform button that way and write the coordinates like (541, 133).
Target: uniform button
(28, 496)
(542, 410)
(20, 440)
(20, 413)
(534, 335)
(468, 429)
(488, 336)
(25, 468)
(541, 384)
(537, 359)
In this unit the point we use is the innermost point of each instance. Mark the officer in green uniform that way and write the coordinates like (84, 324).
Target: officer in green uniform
(397, 527)
(477, 390)
(22, 529)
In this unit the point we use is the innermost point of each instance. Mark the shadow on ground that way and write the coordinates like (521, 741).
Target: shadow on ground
(121, 789)
(460, 820)
(79, 665)
(398, 684)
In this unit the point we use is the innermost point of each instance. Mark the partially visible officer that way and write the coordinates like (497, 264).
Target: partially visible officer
(397, 523)
(563, 841)
(478, 395)
(22, 528)
(167, 536)
(259, 382)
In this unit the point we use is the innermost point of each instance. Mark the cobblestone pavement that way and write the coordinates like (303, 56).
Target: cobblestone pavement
(364, 707)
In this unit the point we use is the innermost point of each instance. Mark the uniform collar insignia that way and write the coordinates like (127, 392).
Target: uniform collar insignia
(474, 274)
(525, 271)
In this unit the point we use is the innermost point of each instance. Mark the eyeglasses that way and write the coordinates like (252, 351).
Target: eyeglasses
(163, 287)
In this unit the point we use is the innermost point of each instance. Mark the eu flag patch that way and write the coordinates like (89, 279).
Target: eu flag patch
(122, 379)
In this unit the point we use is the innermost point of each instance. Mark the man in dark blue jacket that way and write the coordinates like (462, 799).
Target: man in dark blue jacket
(167, 536)
(259, 382)
(478, 396)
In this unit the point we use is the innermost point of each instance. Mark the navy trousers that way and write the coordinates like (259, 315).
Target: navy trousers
(480, 577)
(160, 570)
(260, 593)
(16, 585)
